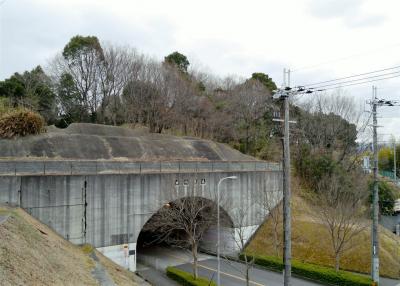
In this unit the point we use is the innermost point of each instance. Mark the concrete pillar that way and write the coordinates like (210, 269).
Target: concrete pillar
(132, 257)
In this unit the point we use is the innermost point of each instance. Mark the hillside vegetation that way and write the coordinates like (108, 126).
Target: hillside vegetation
(33, 254)
(311, 243)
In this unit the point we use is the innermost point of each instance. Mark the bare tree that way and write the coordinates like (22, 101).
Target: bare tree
(329, 122)
(340, 209)
(240, 235)
(248, 104)
(182, 223)
(120, 65)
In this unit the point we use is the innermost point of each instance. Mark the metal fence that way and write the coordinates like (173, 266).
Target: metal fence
(387, 174)
(75, 167)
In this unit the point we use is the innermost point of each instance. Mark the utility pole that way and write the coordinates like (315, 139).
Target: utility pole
(284, 94)
(394, 161)
(375, 201)
(375, 102)
(287, 229)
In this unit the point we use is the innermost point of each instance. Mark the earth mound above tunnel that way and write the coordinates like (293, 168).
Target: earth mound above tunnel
(85, 141)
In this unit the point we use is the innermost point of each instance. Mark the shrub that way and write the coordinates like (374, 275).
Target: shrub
(314, 272)
(186, 279)
(87, 248)
(387, 197)
(20, 122)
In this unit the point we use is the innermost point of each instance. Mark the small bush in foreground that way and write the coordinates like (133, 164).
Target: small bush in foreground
(314, 272)
(186, 279)
(87, 248)
(21, 123)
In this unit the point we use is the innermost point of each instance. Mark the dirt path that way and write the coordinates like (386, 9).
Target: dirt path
(3, 218)
(100, 273)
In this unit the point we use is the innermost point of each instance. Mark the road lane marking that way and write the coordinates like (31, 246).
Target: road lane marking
(214, 270)
(231, 275)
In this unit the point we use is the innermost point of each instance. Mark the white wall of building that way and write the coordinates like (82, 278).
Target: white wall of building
(123, 254)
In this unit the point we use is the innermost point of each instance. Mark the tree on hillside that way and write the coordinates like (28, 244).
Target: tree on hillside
(385, 158)
(121, 65)
(179, 60)
(83, 59)
(329, 122)
(32, 89)
(326, 131)
(339, 205)
(13, 89)
(265, 80)
(249, 103)
(69, 101)
(147, 99)
(387, 197)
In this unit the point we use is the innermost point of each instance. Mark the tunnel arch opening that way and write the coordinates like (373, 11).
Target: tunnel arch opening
(179, 224)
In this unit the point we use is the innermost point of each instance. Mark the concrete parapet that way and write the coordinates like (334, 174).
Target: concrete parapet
(94, 167)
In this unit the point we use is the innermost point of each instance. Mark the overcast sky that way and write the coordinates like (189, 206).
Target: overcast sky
(318, 39)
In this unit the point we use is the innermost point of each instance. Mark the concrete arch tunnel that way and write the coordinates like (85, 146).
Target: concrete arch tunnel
(109, 210)
(107, 201)
(152, 238)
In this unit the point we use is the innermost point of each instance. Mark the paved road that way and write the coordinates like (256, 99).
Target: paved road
(232, 274)
(389, 282)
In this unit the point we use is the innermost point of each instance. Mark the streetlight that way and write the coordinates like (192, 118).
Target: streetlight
(218, 239)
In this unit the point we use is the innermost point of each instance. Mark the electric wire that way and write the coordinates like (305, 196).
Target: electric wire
(340, 85)
(356, 80)
(352, 76)
(364, 82)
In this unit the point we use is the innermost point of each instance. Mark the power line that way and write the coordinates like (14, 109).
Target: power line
(364, 82)
(347, 77)
(339, 83)
(356, 80)
(302, 90)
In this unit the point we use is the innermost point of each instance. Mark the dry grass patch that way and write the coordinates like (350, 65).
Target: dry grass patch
(20, 122)
(33, 254)
(310, 243)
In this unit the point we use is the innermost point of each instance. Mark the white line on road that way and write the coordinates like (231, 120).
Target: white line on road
(214, 270)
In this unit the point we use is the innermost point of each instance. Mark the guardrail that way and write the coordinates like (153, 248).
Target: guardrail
(75, 167)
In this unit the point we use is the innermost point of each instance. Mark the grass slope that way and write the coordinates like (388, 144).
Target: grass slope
(310, 243)
(33, 254)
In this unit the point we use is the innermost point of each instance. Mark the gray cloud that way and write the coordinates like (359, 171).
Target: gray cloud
(350, 11)
(31, 34)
